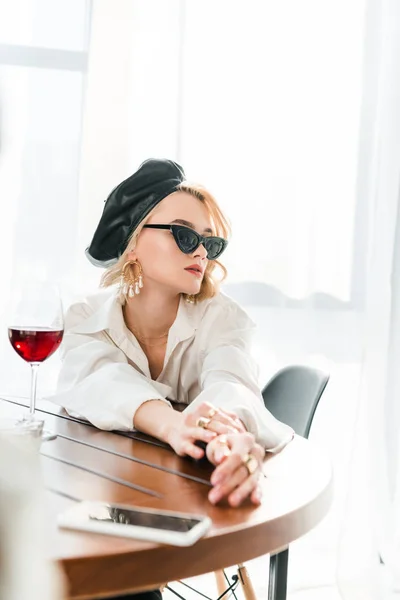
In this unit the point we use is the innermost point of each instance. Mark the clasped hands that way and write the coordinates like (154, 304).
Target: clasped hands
(233, 450)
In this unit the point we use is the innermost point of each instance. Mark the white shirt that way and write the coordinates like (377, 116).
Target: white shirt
(105, 374)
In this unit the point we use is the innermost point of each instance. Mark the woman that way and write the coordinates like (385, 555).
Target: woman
(168, 334)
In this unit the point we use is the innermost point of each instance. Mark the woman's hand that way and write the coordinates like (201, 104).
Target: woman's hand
(203, 424)
(218, 420)
(238, 460)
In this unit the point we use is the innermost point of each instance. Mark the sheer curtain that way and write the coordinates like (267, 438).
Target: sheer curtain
(380, 382)
(43, 61)
(257, 100)
(288, 112)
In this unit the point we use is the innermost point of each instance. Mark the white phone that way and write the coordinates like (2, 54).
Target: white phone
(162, 526)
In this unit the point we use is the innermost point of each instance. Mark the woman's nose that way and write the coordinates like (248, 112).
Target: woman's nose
(200, 252)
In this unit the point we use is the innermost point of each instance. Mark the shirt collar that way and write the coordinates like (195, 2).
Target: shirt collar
(109, 316)
(187, 320)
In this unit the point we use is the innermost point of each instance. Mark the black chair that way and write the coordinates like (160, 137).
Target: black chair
(292, 396)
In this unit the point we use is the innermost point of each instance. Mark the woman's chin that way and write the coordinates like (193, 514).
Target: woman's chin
(191, 283)
(191, 290)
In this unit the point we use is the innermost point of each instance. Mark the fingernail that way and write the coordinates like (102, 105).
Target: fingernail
(258, 496)
(234, 500)
(220, 455)
(216, 478)
(209, 435)
(213, 496)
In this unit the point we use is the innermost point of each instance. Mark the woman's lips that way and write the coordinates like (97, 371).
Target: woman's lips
(195, 272)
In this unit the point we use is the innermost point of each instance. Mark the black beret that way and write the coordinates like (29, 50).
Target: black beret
(128, 204)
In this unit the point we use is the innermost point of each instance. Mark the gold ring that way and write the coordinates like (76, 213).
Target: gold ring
(251, 463)
(202, 422)
(212, 413)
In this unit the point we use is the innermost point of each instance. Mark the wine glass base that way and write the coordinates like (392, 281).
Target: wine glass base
(47, 435)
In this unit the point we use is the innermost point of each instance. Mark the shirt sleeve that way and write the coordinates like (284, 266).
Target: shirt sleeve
(229, 379)
(96, 380)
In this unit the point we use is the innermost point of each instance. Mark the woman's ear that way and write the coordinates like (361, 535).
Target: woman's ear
(131, 255)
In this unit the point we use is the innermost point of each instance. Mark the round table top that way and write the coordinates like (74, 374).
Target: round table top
(297, 492)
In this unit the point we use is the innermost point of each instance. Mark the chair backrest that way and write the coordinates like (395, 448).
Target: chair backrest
(292, 396)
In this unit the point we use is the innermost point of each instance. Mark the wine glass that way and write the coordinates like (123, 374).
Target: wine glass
(35, 330)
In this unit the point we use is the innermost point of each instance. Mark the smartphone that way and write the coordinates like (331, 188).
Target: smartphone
(164, 527)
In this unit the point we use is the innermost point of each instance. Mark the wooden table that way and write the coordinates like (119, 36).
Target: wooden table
(297, 493)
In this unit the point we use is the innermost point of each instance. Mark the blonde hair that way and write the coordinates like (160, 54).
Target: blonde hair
(215, 272)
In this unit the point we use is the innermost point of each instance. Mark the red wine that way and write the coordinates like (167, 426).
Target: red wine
(35, 345)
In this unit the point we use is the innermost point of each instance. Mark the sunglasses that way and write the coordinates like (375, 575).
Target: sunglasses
(189, 240)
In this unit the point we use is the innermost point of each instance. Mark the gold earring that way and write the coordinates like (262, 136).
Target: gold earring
(190, 298)
(130, 283)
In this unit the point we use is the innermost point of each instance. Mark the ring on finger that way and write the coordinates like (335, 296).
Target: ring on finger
(211, 413)
(251, 463)
(203, 422)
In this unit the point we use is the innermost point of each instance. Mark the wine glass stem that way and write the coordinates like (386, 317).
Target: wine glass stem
(34, 372)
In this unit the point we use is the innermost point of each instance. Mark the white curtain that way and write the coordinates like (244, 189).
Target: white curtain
(380, 382)
(259, 100)
(43, 61)
(288, 111)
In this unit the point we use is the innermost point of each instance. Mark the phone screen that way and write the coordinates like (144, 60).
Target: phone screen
(129, 516)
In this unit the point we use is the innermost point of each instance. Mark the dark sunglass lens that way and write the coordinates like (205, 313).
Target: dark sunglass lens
(214, 247)
(187, 240)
